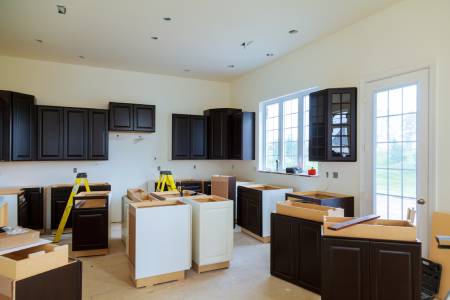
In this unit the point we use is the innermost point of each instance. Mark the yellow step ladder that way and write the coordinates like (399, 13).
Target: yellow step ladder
(166, 178)
(81, 179)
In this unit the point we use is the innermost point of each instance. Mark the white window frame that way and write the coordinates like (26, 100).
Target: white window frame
(300, 126)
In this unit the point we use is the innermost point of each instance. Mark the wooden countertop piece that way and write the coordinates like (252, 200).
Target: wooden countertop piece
(10, 191)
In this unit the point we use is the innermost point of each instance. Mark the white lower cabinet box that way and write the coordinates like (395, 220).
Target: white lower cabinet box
(160, 241)
(31, 261)
(212, 232)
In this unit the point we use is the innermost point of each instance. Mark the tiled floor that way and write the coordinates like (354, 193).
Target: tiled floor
(106, 277)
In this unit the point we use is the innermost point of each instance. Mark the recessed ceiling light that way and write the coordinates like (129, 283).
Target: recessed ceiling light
(82, 57)
(61, 9)
(293, 31)
(230, 66)
(167, 19)
(39, 41)
(269, 54)
(155, 37)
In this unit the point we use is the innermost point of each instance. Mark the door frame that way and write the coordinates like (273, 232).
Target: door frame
(365, 106)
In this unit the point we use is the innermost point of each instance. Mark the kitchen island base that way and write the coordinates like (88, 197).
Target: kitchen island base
(158, 279)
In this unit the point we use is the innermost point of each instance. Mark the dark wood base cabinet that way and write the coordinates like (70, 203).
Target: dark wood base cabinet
(356, 269)
(295, 251)
(59, 197)
(90, 229)
(60, 283)
(325, 199)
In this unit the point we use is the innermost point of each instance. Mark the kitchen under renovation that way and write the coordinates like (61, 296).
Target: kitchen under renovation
(214, 149)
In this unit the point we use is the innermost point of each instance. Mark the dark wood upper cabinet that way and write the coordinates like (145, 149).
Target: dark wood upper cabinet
(332, 117)
(50, 133)
(188, 137)
(144, 117)
(242, 136)
(219, 132)
(98, 134)
(198, 138)
(17, 126)
(75, 133)
(121, 116)
(181, 141)
(131, 117)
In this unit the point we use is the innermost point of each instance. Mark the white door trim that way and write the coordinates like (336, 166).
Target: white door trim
(366, 165)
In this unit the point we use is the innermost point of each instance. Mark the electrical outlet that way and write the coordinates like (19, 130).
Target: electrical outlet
(159, 168)
(335, 175)
(75, 170)
(326, 174)
(232, 167)
(195, 167)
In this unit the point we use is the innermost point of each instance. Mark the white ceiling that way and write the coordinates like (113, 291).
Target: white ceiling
(204, 36)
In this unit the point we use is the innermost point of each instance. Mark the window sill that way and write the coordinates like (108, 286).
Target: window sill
(292, 174)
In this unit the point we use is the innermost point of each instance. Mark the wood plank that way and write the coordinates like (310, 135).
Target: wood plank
(352, 222)
(210, 267)
(264, 240)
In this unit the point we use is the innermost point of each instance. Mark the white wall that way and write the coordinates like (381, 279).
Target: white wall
(131, 163)
(411, 33)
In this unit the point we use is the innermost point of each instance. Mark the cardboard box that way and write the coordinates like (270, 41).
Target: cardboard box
(138, 195)
(3, 213)
(28, 262)
(67, 278)
(16, 240)
(223, 186)
(379, 229)
(307, 211)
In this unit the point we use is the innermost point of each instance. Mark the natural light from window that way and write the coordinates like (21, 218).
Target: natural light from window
(285, 133)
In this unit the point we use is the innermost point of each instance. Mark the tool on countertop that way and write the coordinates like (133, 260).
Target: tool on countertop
(166, 178)
(443, 241)
(352, 222)
(79, 180)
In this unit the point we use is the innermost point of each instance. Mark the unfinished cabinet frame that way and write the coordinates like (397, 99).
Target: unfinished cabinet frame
(212, 232)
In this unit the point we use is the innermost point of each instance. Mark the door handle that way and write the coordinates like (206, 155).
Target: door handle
(421, 201)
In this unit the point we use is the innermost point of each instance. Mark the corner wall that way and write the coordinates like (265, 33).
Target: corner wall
(405, 35)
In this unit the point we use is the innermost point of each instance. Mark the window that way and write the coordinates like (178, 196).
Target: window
(285, 133)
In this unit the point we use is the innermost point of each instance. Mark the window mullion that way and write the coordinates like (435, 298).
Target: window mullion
(280, 135)
(300, 127)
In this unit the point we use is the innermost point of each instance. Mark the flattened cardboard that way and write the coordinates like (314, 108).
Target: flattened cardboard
(12, 241)
(312, 212)
(440, 225)
(379, 229)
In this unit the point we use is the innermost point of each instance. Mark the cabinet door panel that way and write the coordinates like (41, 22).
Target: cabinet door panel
(180, 137)
(216, 135)
(98, 134)
(283, 247)
(75, 133)
(23, 127)
(35, 201)
(345, 269)
(90, 229)
(396, 271)
(254, 216)
(318, 126)
(198, 143)
(121, 116)
(144, 117)
(50, 133)
(309, 264)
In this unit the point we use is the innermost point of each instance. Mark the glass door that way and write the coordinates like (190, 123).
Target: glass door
(396, 147)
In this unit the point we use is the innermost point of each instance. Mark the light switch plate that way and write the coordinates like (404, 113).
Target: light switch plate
(335, 175)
